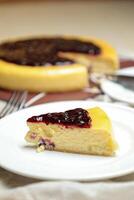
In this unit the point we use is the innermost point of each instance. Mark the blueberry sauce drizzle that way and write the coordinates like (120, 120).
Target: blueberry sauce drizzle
(45, 51)
(76, 117)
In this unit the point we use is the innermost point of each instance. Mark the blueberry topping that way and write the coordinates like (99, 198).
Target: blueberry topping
(76, 117)
(45, 51)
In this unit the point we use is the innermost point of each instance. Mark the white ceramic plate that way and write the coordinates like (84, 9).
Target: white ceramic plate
(117, 91)
(129, 71)
(18, 158)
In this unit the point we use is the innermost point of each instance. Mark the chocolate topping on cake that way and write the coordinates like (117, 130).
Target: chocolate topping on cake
(76, 117)
(45, 51)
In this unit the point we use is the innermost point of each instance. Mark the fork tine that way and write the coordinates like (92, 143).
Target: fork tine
(5, 108)
(23, 100)
(20, 97)
(20, 103)
(11, 104)
(15, 103)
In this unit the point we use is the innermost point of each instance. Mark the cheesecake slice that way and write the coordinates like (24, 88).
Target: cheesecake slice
(76, 131)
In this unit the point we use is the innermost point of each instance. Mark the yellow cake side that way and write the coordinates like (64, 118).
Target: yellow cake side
(97, 140)
(100, 119)
(48, 79)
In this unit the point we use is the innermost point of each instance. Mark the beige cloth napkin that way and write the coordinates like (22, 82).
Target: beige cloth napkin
(109, 190)
(16, 187)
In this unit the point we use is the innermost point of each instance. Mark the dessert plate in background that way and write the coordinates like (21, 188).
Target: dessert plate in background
(126, 71)
(126, 56)
(117, 91)
(19, 158)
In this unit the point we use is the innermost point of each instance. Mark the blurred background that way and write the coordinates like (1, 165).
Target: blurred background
(110, 20)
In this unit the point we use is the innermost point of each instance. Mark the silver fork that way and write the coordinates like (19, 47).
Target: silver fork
(16, 102)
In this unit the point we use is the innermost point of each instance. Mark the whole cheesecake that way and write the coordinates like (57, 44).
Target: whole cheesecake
(54, 64)
(76, 131)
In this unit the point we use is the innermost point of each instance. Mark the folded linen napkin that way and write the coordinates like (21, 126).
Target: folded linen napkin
(72, 191)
